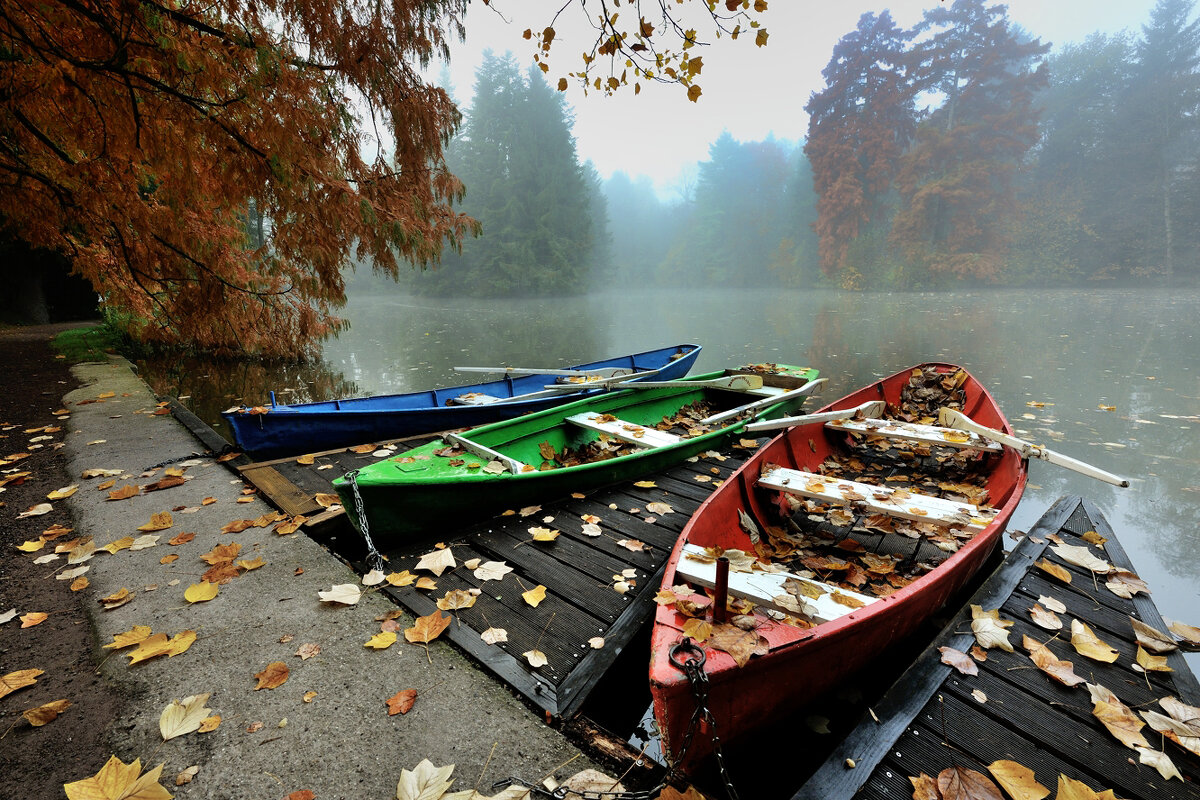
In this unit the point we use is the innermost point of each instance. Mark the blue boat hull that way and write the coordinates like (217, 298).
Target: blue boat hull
(282, 430)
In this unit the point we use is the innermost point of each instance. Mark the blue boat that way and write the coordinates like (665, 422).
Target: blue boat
(278, 430)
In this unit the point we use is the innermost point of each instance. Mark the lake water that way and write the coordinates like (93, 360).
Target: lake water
(1111, 377)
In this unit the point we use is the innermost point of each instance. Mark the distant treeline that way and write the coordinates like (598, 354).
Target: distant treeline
(960, 152)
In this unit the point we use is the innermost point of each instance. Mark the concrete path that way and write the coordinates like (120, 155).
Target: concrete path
(327, 728)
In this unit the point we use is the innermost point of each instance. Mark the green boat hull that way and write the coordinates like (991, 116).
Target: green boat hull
(420, 494)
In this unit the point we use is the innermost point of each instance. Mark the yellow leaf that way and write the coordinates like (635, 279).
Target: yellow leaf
(1152, 663)
(381, 641)
(124, 493)
(698, 629)
(543, 534)
(63, 493)
(1018, 780)
(306, 460)
(18, 680)
(1088, 644)
(32, 546)
(183, 716)
(252, 564)
(129, 638)
(1050, 568)
(646, 484)
(120, 544)
(117, 780)
(33, 618)
(427, 583)
(37, 717)
(272, 676)
(536, 658)
(535, 595)
(79, 584)
(401, 578)
(159, 521)
(761, 38)
(1121, 723)
(209, 724)
(437, 561)
(201, 592)
(456, 599)
(693, 92)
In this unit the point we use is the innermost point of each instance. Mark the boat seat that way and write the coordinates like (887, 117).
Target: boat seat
(483, 451)
(630, 432)
(473, 399)
(761, 588)
(913, 432)
(903, 503)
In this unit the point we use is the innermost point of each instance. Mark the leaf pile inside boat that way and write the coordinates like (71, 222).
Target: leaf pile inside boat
(842, 530)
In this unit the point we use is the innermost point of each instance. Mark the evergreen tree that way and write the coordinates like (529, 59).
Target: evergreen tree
(640, 227)
(524, 184)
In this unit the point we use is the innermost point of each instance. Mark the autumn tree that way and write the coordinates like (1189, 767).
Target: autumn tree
(859, 125)
(134, 137)
(955, 183)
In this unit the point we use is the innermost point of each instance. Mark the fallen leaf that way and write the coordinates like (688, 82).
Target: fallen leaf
(37, 511)
(1120, 722)
(1057, 570)
(536, 658)
(116, 599)
(1086, 643)
(492, 571)
(117, 780)
(596, 642)
(543, 534)
(427, 628)
(1018, 780)
(308, 650)
(437, 562)
(494, 635)
(159, 521)
(400, 578)
(959, 783)
(426, 782)
(345, 593)
(1152, 638)
(1052, 604)
(1151, 663)
(209, 724)
(63, 493)
(381, 641)
(697, 629)
(401, 702)
(661, 509)
(272, 676)
(18, 680)
(201, 592)
(33, 618)
(129, 638)
(1083, 557)
(733, 640)
(535, 595)
(183, 716)
(959, 660)
(990, 631)
(1160, 761)
(1045, 618)
(456, 599)
(373, 578)
(185, 776)
(1045, 660)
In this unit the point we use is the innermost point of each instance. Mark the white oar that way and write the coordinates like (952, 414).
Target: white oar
(871, 409)
(621, 381)
(738, 383)
(763, 403)
(602, 372)
(950, 418)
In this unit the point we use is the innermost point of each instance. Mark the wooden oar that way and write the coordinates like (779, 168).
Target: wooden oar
(871, 409)
(950, 418)
(764, 402)
(602, 372)
(629, 382)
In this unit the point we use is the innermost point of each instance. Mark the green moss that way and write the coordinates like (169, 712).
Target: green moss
(87, 344)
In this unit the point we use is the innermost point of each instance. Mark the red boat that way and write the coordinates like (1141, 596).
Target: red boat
(875, 515)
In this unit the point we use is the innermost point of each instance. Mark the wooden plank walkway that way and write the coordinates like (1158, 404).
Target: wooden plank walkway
(579, 571)
(930, 720)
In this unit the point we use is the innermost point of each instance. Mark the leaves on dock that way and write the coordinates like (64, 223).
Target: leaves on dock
(1017, 780)
(1086, 643)
(1045, 660)
(989, 629)
(437, 561)
(959, 660)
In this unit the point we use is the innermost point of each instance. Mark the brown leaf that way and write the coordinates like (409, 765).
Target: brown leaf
(1120, 722)
(159, 521)
(959, 660)
(124, 493)
(1047, 662)
(733, 640)
(33, 618)
(272, 676)
(308, 650)
(1152, 638)
(401, 702)
(959, 783)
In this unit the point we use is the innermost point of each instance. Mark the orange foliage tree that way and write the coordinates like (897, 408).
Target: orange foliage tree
(136, 135)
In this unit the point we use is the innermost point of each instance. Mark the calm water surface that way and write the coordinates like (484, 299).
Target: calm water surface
(1055, 360)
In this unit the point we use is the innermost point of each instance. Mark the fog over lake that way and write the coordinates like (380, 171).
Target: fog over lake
(1057, 361)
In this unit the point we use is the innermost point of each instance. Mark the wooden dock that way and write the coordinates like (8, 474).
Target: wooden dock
(936, 718)
(599, 585)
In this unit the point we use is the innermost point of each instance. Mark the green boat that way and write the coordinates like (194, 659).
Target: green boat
(577, 447)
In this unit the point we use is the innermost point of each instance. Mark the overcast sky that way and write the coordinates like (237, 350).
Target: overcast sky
(752, 92)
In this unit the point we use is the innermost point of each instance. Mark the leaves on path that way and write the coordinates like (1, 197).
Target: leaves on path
(45, 714)
(18, 680)
(272, 676)
(201, 592)
(494, 635)
(492, 571)
(183, 716)
(33, 618)
(159, 521)
(1045, 660)
(427, 628)
(401, 702)
(159, 645)
(425, 782)
(117, 780)
(381, 641)
(346, 594)
(1152, 638)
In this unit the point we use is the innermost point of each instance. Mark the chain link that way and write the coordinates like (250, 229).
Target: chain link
(374, 557)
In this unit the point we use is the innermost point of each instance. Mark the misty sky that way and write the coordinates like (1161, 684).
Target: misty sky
(751, 92)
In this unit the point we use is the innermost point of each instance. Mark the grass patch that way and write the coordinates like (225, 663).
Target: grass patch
(87, 344)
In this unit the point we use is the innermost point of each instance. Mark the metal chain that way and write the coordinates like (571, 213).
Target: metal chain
(374, 557)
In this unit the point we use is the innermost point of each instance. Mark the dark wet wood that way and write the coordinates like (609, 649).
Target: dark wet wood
(580, 572)
(930, 719)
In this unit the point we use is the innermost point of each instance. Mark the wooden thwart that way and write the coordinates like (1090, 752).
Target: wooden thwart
(513, 465)
(913, 432)
(630, 432)
(878, 499)
(761, 588)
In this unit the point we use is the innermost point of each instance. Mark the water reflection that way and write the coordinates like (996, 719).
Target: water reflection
(1057, 361)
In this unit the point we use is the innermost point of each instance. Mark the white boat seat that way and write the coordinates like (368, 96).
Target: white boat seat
(631, 432)
(473, 399)
(895, 502)
(913, 432)
(762, 588)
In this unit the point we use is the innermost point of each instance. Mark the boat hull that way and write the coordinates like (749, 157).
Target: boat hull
(421, 492)
(281, 430)
(801, 665)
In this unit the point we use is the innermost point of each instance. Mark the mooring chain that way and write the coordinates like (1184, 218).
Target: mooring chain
(690, 658)
(374, 557)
